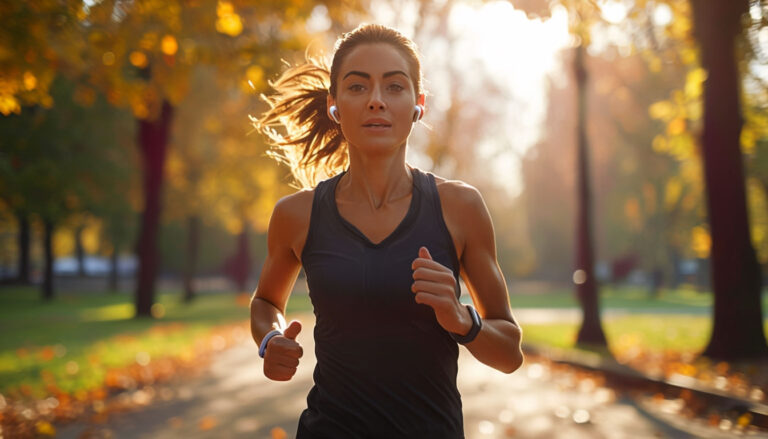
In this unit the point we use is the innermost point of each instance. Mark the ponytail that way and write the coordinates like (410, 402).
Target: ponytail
(312, 145)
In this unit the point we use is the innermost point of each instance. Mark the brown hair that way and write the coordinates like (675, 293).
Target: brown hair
(312, 144)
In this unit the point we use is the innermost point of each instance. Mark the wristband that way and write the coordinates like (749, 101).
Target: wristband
(477, 324)
(265, 340)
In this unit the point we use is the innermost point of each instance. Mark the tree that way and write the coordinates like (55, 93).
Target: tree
(53, 161)
(582, 15)
(736, 278)
(709, 113)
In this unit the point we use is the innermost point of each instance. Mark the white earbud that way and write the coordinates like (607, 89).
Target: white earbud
(418, 111)
(334, 112)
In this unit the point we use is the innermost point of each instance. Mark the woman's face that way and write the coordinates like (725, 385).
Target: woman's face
(375, 98)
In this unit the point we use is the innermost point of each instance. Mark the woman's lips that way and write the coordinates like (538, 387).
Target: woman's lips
(377, 123)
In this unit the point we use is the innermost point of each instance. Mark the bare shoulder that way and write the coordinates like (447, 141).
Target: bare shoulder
(290, 220)
(464, 212)
(295, 207)
(456, 195)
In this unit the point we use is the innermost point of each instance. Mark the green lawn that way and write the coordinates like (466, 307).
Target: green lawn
(651, 331)
(684, 299)
(676, 319)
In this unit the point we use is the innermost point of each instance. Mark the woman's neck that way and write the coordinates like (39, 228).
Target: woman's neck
(376, 181)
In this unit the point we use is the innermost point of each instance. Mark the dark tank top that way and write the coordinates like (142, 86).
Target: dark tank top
(385, 367)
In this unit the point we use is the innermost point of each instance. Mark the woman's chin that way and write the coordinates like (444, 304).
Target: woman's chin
(379, 146)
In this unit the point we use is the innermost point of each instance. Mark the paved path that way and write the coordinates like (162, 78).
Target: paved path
(234, 400)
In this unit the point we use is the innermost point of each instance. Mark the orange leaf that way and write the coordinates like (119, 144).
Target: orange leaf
(278, 433)
(207, 423)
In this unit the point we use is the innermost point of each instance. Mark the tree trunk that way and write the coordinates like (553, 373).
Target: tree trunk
(153, 143)
(23, 274)
(80, 251)
(737, 330)
(113, 274)
(591, 330)
(48, 254)
(190, 266)
(240, 262)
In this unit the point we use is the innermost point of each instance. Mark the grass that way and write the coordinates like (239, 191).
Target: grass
(675, 320)
(76, 339)
(651, 331)
(633, 298)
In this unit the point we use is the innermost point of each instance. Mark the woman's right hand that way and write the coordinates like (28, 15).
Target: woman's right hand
(281, 358)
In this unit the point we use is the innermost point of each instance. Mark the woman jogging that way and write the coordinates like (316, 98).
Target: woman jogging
(382, 244)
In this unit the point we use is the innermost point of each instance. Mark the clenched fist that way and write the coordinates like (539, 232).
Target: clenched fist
(281, 358)
(434, 286)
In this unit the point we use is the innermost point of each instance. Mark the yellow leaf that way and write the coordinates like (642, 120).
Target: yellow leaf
(9, 104)
(30, 81)
(688, 56)
(682, 146)
(45, 428)
(138, 59)
(744, 420)
(695, 110)
(91, 236)
(701, 242)
(676, 126)
(748, 140)
(694, 81)
(168, 45)
(228, 22)
(662, 110)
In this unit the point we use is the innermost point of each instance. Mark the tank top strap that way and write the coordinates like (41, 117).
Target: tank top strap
(425, 183)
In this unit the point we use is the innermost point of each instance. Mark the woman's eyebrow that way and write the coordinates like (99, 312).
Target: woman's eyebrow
(368, 76)
(357, 73)
(395, 72)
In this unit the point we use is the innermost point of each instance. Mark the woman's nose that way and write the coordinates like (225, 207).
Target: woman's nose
(376, 102)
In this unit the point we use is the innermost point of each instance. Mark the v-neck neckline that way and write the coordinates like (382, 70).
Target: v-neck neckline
(407, 219)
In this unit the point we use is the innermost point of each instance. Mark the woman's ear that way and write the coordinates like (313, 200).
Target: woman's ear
(422, 102)
(331, 109)
(419, 108)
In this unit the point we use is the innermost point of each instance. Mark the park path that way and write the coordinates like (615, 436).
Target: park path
(234, 400)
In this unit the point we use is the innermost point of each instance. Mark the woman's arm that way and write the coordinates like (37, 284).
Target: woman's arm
(498, 343)
(287, 231)
(468, 220)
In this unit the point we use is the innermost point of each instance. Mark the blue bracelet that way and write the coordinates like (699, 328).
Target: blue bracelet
(265, 340)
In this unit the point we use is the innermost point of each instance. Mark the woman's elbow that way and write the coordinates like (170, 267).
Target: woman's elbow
(513, 363)
(516, 357)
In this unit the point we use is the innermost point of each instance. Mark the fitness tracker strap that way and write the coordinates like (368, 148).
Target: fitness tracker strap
(265, 340)
(477, 324)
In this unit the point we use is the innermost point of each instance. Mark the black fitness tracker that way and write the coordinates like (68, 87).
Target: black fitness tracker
(477, 324)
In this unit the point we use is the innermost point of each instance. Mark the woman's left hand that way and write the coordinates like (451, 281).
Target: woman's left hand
(434, 285)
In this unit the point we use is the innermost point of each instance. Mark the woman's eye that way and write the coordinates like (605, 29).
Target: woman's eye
(356, 87)
(396, 87)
